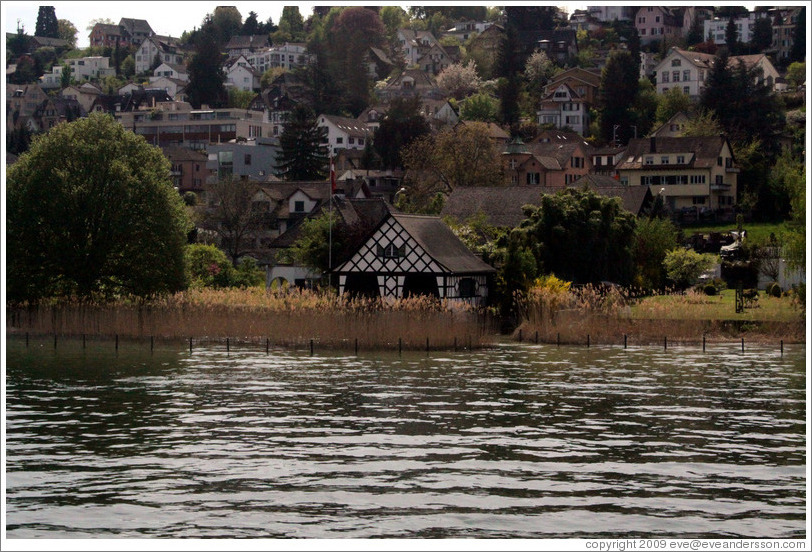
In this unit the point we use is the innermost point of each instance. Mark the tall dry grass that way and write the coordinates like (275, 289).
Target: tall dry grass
(604, 316)
(289, 318)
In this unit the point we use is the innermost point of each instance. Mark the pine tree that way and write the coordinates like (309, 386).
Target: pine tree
(618, 92)
(206, 75)
(732, 36)
(798, 52)
(47, 24)
(302, 155)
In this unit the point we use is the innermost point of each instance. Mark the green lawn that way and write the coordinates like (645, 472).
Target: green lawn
(757, 232)
(696, 306)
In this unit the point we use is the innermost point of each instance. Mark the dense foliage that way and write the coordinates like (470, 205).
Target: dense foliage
(91, 211)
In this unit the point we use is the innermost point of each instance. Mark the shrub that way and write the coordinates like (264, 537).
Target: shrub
(774, 290)
(710, 289)
(684, 266)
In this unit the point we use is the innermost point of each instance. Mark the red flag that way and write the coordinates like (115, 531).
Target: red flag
(332, 175)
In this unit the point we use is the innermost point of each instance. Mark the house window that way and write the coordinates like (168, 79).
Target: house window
(360, 141)
(467, 287)
(391, 251)
(676, 63)
(339, 140)
(533, 179)
(697, 179)
(247, 158)
(686, 75)
(577, 162)
(573, 120)
(665, 76)
(650, 160)
(664, 160)
(719, 161)
(675, 76)
(699, 200)
(351, 140)
(298, 206)
(680, 159)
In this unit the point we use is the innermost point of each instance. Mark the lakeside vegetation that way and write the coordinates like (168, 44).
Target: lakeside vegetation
(285, 318)
(555, 312)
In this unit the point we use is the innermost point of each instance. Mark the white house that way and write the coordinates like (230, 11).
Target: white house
(689, 70)
(344, 132)
(240, 75)
(52, 79)
(174, 87)
(716, 28)
(87, 68)
(288, 56)
(564, 107)
(169, 49)
(172, 71)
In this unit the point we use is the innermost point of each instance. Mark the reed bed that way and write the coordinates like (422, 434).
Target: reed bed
(292, 318)
(591, 315)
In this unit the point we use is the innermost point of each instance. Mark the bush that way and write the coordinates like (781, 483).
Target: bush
(710, 289)
(684, 266)
(774, 290)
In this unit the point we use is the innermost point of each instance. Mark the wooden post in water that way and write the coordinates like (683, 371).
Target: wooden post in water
(116, 342)
(742, 344)
(587, 340)
(190, 344)
(703, 343)
(267, 345)
(782, 347)
(356, 346)
(625, 340)
(26, 340)
(427, 345)
(558, 339)
(520, 335)
(400, 346)
(311, 347)
(455, 343)
(537, 337)
(152, 343)
(228, 345)
(54, 340)
(83, 342)
(665, 343)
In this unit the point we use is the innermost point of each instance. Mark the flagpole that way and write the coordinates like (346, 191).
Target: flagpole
(330, 224)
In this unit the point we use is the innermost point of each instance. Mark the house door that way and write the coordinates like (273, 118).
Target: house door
(360, 284)
(420, 284)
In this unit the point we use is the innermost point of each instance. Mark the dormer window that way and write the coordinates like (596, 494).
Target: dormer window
(676, 62)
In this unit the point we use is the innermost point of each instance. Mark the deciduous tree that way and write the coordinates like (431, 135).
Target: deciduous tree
(401, 125)
(458, 80)
(92, 211)
(229, 212)
(67, 32)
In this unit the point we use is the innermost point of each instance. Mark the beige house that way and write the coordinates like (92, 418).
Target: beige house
(696, 176)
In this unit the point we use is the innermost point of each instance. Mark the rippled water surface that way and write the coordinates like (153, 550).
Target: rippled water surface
(518, 441)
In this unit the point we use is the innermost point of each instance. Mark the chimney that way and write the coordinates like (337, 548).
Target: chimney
(653, 148)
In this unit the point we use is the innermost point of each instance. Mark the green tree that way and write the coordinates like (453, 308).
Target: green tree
(401, 125)
(653, 239)
(206, 75)
(618, 91)
(251, 25)
(240, 99)
(732, 37)
(47, 24)
(301, 153)
(291, 26)
(312, 248)
(209, 267)
(66, 76)
(762, 35)
(671, 103)
(581, 237)
(683, 267)
(128, 67)
(270, 75)
(92, 210)
(798, 51)
(796, 73)
(226, 22)
(67, 32)
(479, 107)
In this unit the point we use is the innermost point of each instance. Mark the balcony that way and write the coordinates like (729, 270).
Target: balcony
(720, 187)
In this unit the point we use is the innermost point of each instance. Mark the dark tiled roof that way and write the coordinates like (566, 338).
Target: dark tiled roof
(437, 239)
(179, 153)
(501, 205)
(633, 198)
(705, 149)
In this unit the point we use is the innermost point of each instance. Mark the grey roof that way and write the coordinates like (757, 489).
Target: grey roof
(501, 205)
(705, 149)
(136, 25)
(633, 198)
(437, 239)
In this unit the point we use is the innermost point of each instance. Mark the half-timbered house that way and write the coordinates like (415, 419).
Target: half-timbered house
(415, 255)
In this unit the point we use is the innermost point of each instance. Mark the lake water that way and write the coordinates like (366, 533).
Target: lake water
(518, 441)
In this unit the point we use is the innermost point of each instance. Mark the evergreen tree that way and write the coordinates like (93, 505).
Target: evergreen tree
(402, 124)
(47, 24)
(66, 76)
(206, 75)
(762, 36)
(798, 51)
(301, 155)
(618, 93)
(732, 37)
(250, 26)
